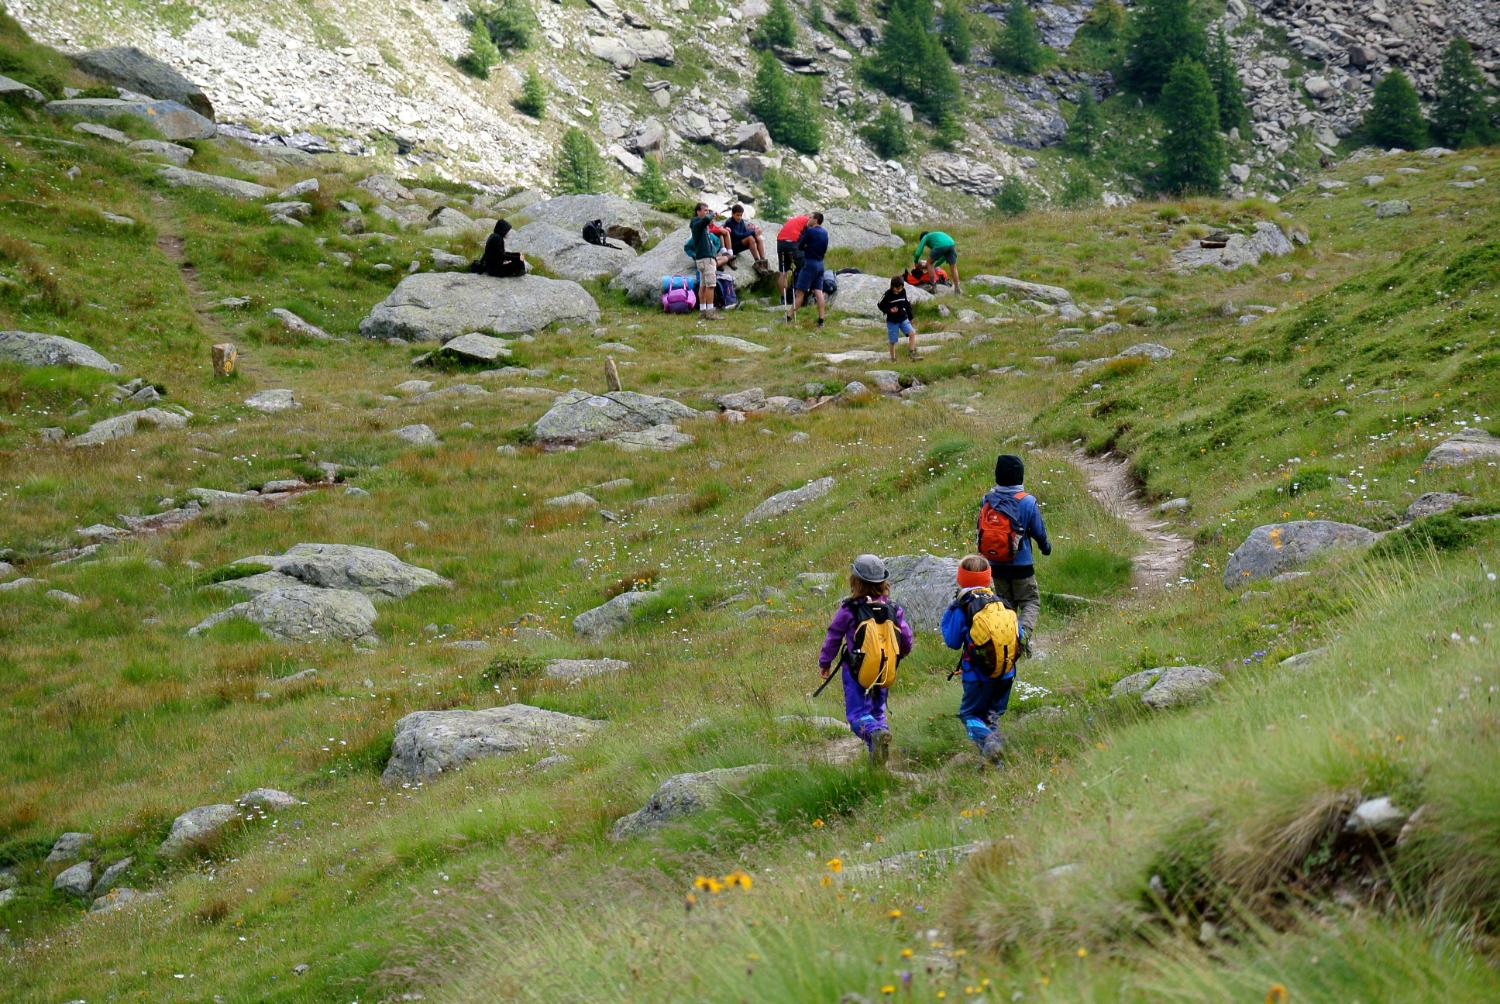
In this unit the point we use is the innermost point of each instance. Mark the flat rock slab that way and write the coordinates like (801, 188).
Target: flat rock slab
(859, 230)
(1280, 547)
(476, 348)
(1468, 447)
(118, 899)
(612, 616)
(573, 670)
(300, 613)
(1239, 250)
(682, 795)
(641, 277)
(427, 743)
(368, 570)
(272, 401)
(580, 417)
(730, 342)
(923, 585)
(267, 800)
(174, 153)
(26, 348)
(566, 254)
(439, 306)
(860, 294)
(128, 424)
(234, 188)
(198, 827)
(1179, 685)
(175, 121)
(9, 87)
(853, 356)
(658, 437)
(128, 67)
(1024, 290)
(784, 502)
(1433, 503)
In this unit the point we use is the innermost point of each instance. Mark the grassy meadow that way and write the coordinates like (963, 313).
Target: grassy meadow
(1127, 855)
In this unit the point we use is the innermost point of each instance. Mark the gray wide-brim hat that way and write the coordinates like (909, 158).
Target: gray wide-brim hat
(870, 568)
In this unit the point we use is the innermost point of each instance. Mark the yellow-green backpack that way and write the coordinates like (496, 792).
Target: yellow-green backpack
(994, 634)
(876, 648)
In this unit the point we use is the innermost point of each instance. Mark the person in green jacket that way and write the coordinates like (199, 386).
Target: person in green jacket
(941, 250)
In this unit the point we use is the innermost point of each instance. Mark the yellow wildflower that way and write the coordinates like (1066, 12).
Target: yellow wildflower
(834, 865)
(889, 988)
(1277, 994)
(817, 824)
(906, 953)
(1083, 953)
(737, 879)
(893, 914)
(825, 881)
(707, 883)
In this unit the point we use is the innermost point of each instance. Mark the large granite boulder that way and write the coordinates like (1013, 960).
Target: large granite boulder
(923, 585)
(860, 294)
(234, 188)
(566, 254)
(1469, 446)
(1023, 289)
(128, 67)
(784, 502)
(294, 612)
(641, 278)
(580, 417)
(1280, 547)
(427, 743)
(25, 348)
(612, 616)
(571, 212)
(437, 306)
(173, 120)
(682, 795)
(376, 573)
(858, 230)
(1240, 249)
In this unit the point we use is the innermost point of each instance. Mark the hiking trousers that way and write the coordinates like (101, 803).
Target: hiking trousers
(1024, 596)
(864, 712)
(984, 701)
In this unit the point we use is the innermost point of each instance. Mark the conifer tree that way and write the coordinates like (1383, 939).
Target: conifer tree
(777, 28)
(1162, 32)
(1084, 130)
(533, 98)
(482, 54)
(1459, 115)
(1225, 77)
(803, 130)
(512, 24)
(1019, 47)
(580, 168)
(776, 191)
(1191, 152)
(887, 134)
(651, 187)
(956, 34)
(1395, 115)
(770, 95)
(1012, 199)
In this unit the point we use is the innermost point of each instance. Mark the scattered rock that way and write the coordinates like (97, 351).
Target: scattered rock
(417, 434)
(294, 612)
(730, 342)
(24, 348)
(181, 177)
(128, 67)
(682, 795)
(572, 500)
(860, 293)
(573, 670)
(272, 401)
(784, 502)
(10, 88)
(859, 230)
(427, 743)
(1392, 207)
(64, 597)
(612, 616)
(368, 570)
(69, 847)
(173, 153)
(173, 120)
(1432, 503)
(297, 326)
(438, 306)
(1302, 659)
(580, 417)
(197, 828)
(117, 899)
(1279, 547)
(120, 426)
(111, 876)
(1179, 685)
(21, 583)
(1469, 446)
(1376, 817)
(476, 348)
(76, 880)
(1238, 250)
(1025, 290)
(268, 800)
(566, 254)
(923, 585)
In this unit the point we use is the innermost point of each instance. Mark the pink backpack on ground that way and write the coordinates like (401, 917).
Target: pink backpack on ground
(678, 298)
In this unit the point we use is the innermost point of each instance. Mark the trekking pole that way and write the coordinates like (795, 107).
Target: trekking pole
(837, 663)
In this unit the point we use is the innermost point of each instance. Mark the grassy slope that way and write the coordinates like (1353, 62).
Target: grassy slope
(501, 878)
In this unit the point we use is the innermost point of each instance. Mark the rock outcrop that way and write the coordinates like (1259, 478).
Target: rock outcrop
(128, 67)
(128, 424)
(1468, 447)
(640, 279)
(858, 230)
(1280, 547)
(580, 417)
(25, 348)
(428, 743)
(234, 188)
(437, 306)
(1167, 686)
(173, 120)
(1237, 251)
(682, 795)
(923, 585)
(612, 616)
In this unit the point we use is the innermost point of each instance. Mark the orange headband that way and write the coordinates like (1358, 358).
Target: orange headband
(970, 580)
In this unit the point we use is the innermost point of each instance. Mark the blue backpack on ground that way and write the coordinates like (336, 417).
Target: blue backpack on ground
(668, 281)
(677, 297)
(724, 295)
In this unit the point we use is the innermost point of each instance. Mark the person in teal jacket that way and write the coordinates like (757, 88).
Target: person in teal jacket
(941, 250)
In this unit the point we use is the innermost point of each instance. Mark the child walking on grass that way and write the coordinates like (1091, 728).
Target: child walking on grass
(896, 309)
(868, 636)
(984, 628)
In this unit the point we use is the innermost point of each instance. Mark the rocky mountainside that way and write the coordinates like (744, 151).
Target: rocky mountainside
(671, 76)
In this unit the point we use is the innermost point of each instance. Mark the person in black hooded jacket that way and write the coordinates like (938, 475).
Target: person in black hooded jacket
(497, 261)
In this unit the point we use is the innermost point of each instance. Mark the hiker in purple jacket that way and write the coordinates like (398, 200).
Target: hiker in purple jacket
(869, 583)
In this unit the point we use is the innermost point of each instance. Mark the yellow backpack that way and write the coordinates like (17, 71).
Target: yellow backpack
(876, 648)
(994, 634)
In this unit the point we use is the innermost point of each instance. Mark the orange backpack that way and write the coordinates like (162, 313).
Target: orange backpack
(999, 538)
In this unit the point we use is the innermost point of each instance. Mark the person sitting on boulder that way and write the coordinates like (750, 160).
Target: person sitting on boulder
(745, 236)
(941, 250)
(497, 261)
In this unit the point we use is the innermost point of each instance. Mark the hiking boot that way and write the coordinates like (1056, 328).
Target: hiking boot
(820, 322)
(993, 749)
(708, 315)
(880, 748)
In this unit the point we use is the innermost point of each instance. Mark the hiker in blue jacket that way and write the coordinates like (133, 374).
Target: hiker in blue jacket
(1009, 520)
(813, 244)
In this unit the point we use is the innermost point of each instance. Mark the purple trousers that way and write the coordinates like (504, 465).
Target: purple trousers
(865, 713)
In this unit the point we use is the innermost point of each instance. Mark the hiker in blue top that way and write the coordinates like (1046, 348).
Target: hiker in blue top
(984, 629)
(1009, 520)
(813, 244)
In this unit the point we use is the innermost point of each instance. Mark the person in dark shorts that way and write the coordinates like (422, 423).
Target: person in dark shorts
(788, 257)
(814, 245)
(745, 236)
(941, 250)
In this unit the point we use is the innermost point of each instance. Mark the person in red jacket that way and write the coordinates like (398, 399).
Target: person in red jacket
(788, 256)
